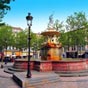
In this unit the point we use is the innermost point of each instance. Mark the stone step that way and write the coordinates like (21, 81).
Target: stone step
(36, 80)
(8, 71)
(12, 70)
(15, 69)
(72, 74)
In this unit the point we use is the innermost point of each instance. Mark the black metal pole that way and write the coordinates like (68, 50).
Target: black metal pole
(29, 18)
(28, 69)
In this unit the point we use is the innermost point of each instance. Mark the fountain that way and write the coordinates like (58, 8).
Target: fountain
(51, 59)
(51, 49)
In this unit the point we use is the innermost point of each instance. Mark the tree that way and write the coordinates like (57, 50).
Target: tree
(58, 25)
(76, 24)
(33, 39)
(4, 7)
(40, 41)
(77, 20)
(60, 28)
(21, 40)
(6, 36)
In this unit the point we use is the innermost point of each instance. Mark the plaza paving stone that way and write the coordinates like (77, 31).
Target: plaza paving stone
(64, 82)
(68, 82)
(6, 81)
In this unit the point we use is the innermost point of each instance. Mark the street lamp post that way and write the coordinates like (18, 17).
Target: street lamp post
(29, 19)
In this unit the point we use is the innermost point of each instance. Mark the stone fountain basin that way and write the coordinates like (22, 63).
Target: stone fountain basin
(39, 65)
(73, 65)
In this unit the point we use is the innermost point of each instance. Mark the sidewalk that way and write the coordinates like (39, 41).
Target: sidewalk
(50, 80)
(6, 80)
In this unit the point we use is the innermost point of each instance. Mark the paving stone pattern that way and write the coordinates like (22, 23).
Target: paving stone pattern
(6, 81)
(67, 82)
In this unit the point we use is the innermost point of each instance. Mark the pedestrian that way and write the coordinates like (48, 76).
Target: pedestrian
(6, 60)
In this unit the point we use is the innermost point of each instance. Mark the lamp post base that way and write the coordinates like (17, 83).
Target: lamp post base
(28, 75)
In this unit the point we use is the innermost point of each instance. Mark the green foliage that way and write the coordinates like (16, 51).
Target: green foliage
(4, 7)
(6, 36)
(76, 21)
(37, 40)
(40, 40)
(76, 25)
(63, 39)
(33, 39)
(58, 25)
(21, 40)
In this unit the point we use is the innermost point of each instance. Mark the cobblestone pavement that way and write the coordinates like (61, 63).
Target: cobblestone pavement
(74, 82)
(67, 82)
(6, 81)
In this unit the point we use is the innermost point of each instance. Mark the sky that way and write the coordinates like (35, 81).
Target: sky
(41, 10)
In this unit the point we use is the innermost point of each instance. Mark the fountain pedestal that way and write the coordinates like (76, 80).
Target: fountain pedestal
(43, 66)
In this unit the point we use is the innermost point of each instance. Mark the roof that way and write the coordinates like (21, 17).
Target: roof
(17, 28)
